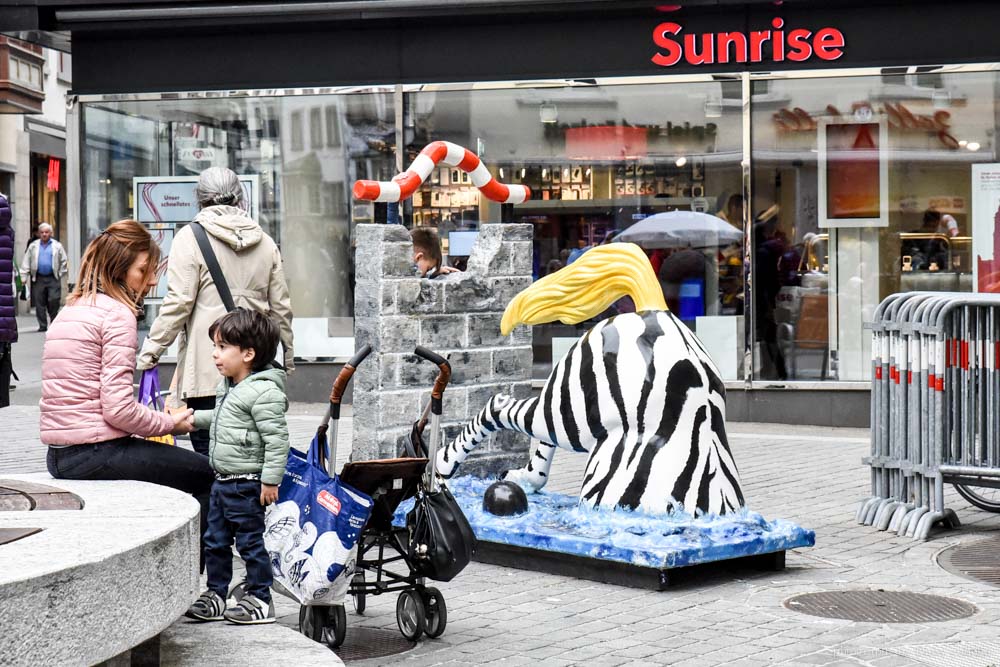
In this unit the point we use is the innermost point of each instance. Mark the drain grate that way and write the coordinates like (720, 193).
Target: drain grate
(979, 560)
(880, 606)
(367, 643)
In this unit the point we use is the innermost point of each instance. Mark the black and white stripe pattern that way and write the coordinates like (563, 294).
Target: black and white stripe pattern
(642, 396)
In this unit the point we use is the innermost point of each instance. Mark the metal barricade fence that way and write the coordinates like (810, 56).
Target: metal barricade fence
(934, 413)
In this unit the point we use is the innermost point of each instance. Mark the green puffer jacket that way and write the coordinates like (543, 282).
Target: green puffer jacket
(248, 430)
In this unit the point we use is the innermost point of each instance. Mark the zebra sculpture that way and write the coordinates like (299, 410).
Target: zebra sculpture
(638, 392)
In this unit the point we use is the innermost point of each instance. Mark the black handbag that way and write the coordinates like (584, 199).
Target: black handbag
(441, 540)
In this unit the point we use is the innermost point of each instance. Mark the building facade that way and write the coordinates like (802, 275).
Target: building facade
(34, 82)
(848, 147)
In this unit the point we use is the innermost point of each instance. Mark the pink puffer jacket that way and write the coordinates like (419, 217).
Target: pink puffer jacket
(87, 369)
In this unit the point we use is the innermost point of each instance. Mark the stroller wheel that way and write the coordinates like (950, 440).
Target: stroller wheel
(435, 612)
(358, 584)
(312, 620)
(336, 626)
(410, 614)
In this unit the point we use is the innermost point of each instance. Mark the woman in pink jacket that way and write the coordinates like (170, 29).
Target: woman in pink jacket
(91, 422)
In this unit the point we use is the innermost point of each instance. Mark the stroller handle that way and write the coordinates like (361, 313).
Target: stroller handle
(344, 377)
(443, 377)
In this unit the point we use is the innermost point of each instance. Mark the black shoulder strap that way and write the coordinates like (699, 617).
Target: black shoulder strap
(214, 269)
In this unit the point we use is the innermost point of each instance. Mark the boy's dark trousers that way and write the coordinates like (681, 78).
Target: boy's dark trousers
(234, 511)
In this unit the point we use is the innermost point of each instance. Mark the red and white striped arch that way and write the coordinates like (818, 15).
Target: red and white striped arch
(448, 154)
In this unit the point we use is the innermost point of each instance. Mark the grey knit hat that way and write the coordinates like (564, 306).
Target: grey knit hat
(219, 186)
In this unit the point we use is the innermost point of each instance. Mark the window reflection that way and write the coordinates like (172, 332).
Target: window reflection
(598, 160)
(817, 275)
(304, 190)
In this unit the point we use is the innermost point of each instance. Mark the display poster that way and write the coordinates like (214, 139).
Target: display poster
(172, 198)
(986, 227)
(165, 203)
(852, 175)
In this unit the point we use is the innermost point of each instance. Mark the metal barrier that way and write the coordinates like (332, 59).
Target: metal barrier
(934, 412)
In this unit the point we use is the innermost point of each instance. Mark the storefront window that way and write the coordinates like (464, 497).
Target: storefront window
(598, 159)
(862, 187)
(303, 190)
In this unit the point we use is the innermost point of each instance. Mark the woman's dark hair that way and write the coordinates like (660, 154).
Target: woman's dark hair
(248, 330)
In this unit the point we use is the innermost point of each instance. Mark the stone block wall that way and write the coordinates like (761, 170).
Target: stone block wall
(457, 316)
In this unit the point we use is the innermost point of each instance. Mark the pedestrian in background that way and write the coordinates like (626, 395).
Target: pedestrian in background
(8, 306)
(44, 266)
(251, 264)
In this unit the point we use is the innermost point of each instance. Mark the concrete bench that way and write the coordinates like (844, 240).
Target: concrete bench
(101, 583)
(96, 582)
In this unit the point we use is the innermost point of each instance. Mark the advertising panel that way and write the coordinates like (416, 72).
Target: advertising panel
(165, 203)
(986, 227)
(853, 174)
(172, 198)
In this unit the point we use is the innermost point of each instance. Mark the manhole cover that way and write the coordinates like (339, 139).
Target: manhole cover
(881, 606)
(18, 496)
(368, 643)
(978, 560)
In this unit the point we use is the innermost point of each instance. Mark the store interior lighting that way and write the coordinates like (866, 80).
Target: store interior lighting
(973, 146)
(681, 161)
(713, 108)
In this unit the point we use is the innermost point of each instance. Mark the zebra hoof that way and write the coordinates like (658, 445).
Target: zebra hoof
(521, 478)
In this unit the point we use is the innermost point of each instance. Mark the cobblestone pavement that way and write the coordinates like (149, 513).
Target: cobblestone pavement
(808, 475)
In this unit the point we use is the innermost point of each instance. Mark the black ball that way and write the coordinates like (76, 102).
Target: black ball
(505, 498)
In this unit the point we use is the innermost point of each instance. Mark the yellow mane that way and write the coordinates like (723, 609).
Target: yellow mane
(598, 278)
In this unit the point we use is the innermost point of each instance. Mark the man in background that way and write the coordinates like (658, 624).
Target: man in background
(45, 264)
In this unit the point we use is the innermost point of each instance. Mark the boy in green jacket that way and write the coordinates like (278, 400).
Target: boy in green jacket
(248, 449)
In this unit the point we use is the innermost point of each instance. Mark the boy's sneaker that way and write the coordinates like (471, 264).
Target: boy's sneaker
(209, 607)
(250, 611)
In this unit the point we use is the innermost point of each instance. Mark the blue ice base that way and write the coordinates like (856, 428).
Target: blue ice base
(558, 523)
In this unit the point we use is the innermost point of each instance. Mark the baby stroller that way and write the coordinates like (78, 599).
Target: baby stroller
(394, 559)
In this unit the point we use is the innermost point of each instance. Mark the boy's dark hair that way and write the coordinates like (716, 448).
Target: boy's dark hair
(248, 329)
(426, 241)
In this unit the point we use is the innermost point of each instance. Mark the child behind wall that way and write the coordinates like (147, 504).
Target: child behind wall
(427, 254)
(248, 448)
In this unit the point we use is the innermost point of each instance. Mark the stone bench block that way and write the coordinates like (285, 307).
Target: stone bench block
(189, 644)
(98, 581)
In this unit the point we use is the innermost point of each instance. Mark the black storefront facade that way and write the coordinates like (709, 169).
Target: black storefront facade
(824, 135)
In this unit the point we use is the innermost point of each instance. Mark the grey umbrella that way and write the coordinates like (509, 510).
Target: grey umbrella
(681, 229)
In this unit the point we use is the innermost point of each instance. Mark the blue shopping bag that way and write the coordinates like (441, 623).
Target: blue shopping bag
(312, 532)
